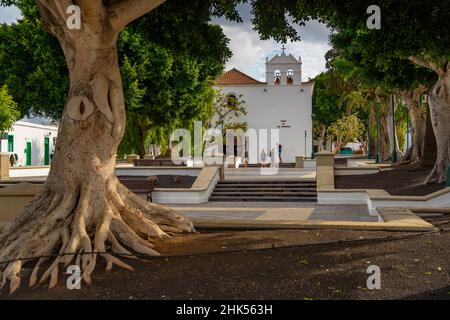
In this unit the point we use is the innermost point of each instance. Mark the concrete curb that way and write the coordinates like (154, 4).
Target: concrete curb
(411, 223)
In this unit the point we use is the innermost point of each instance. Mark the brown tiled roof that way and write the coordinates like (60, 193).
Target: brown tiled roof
(235, 77)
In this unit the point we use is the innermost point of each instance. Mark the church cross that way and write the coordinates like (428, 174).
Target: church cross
(283, 48)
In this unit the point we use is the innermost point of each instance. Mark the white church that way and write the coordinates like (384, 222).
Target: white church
(283, 102)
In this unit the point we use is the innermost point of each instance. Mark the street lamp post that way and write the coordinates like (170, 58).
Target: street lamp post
(394, 136)
(224, 150)
(378, 156)
(369, 144)
(407, 130)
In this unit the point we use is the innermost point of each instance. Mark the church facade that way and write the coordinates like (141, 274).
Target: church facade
(283, 102)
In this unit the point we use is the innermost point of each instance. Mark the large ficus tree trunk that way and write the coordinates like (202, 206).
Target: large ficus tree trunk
(439, 102)
(83, 211)
(386, 132)
(411, 98)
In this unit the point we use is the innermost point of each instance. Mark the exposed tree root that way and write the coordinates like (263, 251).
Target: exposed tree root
(80, 226)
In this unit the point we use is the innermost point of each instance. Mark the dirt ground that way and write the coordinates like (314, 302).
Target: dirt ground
(317, 267)
(402, 181)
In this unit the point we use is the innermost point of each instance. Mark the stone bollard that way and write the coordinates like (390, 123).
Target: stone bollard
(132, 157)
(149, 157)
(4, 166)
(325, 158)
(299, 161)
(325, 170)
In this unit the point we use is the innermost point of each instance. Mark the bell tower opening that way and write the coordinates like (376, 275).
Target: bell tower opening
(277, 77)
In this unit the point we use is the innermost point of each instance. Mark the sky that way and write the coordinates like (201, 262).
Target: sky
(9, 14)
(249, 52)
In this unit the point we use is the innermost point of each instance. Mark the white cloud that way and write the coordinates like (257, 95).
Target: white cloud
(249, 53)
(9, 14)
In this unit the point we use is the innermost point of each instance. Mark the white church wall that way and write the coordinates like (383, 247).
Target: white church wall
(269, 106)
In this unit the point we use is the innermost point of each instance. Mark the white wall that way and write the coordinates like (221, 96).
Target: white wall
(24, 132)
(267, 106)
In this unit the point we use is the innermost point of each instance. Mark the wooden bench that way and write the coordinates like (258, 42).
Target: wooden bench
(163, 162)
(140, 185)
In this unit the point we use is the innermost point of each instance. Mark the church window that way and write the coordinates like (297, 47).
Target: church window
(290, 76)
(232, 100)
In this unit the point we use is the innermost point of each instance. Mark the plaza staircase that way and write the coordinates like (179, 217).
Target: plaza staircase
(265, 191)
(280, 165)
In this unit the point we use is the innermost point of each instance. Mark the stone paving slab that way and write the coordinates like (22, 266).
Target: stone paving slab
(276, 212)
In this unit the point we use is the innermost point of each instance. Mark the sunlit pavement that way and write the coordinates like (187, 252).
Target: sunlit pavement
(291, 211)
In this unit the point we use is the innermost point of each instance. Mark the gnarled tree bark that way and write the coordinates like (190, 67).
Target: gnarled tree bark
(418, 124)
(386, 132)
(83, 211)
(439, 102)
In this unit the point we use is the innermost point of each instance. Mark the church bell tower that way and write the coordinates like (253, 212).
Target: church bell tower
(284, 70)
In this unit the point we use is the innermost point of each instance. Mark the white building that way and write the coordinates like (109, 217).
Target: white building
(32, 143)
(283, 102)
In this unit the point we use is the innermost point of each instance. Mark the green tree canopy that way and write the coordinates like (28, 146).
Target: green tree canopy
(9, 112)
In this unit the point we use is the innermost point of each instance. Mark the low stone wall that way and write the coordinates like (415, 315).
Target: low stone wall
(355, 171)
(4, 166)
(158, 171)
(14, 198)
(373, 198)
(439, 199)
(25, 172)
(199, 192)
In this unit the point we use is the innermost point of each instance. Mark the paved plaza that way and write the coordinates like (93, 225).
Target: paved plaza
(272, 211)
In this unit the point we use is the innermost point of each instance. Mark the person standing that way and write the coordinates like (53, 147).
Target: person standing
(263, 157)
(272, 157)
(246, 159)
(280, 150)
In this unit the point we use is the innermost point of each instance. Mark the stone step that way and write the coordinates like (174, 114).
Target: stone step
(268, 186)
(281, 165)
(263, 199)
(238, 190)
(265, 194)
(227, 182)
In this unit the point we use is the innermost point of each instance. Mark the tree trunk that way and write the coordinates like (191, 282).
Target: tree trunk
(385, 122)
(385, 148)
(392, 135)
(439, 102)
(142, 138)
(418, 125)
(430, 147)
(373, 133)
(83, 209)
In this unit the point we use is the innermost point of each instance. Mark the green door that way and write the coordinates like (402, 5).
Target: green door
(10, 143)
(46, 151)
(28, 154)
